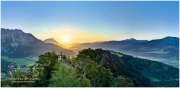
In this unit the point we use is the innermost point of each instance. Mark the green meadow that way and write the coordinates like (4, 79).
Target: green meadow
(120, 55)
(22, 60)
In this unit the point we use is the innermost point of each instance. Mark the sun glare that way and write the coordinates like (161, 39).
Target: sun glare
(66, 40)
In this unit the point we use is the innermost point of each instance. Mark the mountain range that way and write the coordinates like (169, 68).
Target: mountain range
(16, 43)
(116, 45)
(109, 45)
(116, 55)
(165, 50)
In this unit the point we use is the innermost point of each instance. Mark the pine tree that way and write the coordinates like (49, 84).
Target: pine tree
(64, 77)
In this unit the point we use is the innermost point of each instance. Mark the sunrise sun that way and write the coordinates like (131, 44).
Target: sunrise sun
(66, 40)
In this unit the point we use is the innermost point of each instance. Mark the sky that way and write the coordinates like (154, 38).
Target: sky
(91, 21)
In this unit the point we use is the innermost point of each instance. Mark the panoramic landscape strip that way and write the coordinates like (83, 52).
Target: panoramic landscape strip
(90, 44)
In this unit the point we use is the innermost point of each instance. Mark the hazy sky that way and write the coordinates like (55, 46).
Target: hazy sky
(85, 21)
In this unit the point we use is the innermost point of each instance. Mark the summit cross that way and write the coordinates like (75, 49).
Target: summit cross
(61, 56)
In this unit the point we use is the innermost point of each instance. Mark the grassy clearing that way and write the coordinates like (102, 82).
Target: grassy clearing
(120, 55)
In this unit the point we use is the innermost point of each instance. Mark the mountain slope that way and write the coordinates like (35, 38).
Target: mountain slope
(109, 45)
(116, 45)
(144, 71)
(16, 43)
(53, 41)
(165, 48)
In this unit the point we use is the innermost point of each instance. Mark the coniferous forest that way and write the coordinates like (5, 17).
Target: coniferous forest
(95, 68)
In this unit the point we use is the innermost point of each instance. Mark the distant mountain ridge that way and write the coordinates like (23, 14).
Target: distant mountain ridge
(165, 48)
(53, 41)
(109, 45)
(16, 43)
(116, 45)
(167, 45)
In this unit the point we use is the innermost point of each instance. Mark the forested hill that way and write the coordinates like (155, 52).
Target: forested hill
(146, 72)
